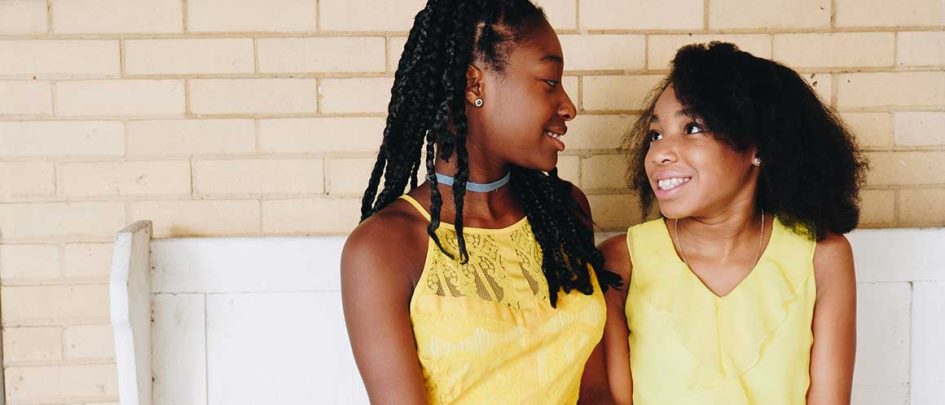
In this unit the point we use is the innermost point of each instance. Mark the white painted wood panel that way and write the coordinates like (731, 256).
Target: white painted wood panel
(130, 307)
(259, 320)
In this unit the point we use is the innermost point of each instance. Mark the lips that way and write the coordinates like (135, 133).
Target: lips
(556, 135)
(672, 182)
(669, 183)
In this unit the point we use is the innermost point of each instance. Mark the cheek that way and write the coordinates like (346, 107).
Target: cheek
(519, 114)
(648, 165)
(721, 169)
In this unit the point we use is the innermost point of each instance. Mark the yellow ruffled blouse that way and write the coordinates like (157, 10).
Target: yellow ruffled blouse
(689, 346)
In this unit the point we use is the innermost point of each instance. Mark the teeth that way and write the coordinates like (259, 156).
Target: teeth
(553, 134)
(668, 184)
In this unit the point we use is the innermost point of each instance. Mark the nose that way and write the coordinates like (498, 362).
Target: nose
(566, 109)
(662, 152)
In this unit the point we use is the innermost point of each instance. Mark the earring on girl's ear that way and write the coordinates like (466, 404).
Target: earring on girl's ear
(756, 161)
(478, 102)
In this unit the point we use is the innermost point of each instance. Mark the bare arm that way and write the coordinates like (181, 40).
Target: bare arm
(834, 325)
(616, 348)
(594, 385)
(594, 389)
(376, 288)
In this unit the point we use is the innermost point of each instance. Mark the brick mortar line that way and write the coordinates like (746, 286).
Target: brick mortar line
(772, 47)
(326, 185)
(271, 117)
(577, 15)
(208, 35)
(256, 56)
(318, 96)
(580, 94)
(104, 361)
(63, 282)
(387, 55)
(188, 112)
(170, 198)
(384, 34)
(75, 239)
(52, 98)
(224, 116)
(122, 71)
(896, 205)
(277, 116)
(706, 7)
(193, 179)
(833, 14)
(834, 95)
(57, 179)
(197, 116)
(895, 48)
(298, 75)
(309, 75)
(60, 322)
(646, 51)
(49, 17)
(773, 31)
(185, 15)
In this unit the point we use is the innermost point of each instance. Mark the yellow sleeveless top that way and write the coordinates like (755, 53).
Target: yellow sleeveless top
(486, 332)
(689, 346)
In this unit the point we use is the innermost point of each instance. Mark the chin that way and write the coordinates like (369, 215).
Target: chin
(673, 211)
(545, 166)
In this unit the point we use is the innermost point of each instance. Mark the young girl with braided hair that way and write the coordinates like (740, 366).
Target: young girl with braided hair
(482, 284)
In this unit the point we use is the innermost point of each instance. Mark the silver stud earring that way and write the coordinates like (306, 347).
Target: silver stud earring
(756, 161)
(478, 102)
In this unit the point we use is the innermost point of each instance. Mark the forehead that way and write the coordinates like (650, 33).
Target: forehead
(667, 104)
(667, 101)
(539, 46)
(669, 107)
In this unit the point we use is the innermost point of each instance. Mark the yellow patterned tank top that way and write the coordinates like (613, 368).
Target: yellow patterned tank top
(690, 346)
(485, 330)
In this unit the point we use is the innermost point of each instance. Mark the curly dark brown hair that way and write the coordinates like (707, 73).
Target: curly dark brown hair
(813, 169)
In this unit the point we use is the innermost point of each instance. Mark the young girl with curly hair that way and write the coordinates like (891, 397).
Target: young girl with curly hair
(743, 291)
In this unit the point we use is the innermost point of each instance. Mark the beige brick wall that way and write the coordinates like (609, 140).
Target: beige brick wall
(234, 117)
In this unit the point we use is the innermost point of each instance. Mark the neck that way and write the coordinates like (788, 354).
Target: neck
(480, 170)
(487, 207)
(722, 236)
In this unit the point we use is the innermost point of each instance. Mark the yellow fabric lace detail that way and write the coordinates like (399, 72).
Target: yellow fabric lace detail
(485, 330)
(689, 346)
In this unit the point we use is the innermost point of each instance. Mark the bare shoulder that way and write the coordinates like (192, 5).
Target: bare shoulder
(833, 262)
(617, 255)
(390, 245)
(580, 198)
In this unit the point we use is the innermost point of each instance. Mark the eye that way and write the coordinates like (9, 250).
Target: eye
(552, 83)
(654, 136)
(694, 128)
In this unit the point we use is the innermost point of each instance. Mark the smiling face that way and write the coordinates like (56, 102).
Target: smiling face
(691, 173)
(525, 107)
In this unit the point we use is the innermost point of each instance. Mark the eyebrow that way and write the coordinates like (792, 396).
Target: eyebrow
(552, 58)
(685, 112)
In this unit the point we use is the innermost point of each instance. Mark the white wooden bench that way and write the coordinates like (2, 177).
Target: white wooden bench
(258, 320)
